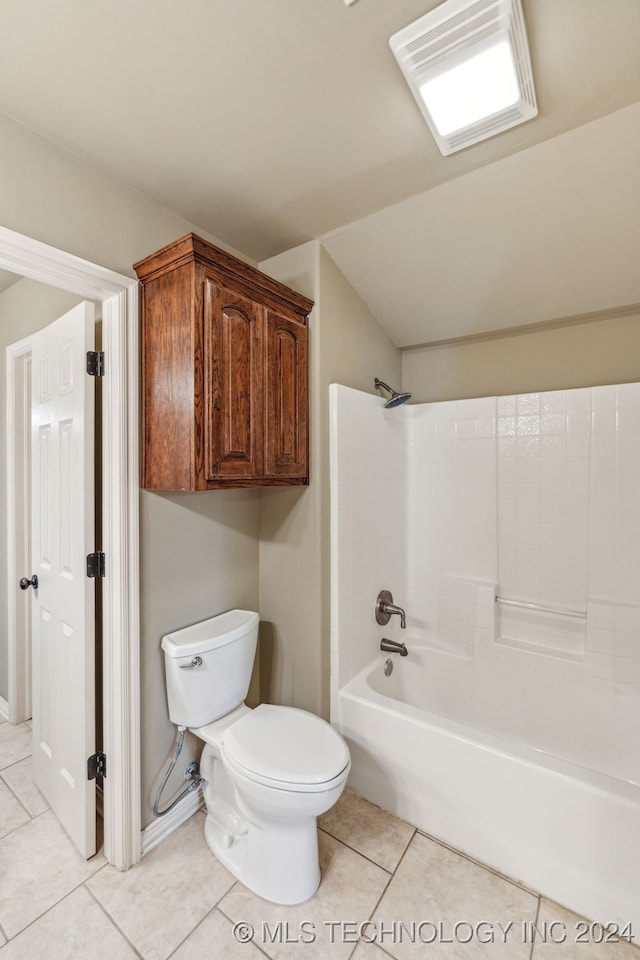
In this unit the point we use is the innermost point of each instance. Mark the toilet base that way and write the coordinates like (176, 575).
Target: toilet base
(280, 865)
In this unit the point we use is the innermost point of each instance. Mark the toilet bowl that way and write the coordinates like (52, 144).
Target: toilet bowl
(269, 772)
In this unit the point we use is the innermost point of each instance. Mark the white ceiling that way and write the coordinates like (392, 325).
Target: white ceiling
(272, 123)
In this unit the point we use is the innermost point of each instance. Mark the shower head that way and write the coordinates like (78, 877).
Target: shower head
(396, 398)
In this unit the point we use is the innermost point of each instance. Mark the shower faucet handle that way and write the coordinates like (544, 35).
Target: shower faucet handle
(385, 607)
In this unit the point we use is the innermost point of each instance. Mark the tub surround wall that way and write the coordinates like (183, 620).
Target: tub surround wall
(531, 498)
(452, 506)
(368, 525)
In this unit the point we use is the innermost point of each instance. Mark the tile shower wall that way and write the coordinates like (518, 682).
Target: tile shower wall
(533, 497)
(543, 518)
(452, 508)
(543, 496)
(613, 613)
(368, 524)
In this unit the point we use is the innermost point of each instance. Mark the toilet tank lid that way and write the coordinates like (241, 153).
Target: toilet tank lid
(209, 634)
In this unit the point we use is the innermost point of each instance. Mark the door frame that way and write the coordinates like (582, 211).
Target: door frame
(120, 532)
(18, 523)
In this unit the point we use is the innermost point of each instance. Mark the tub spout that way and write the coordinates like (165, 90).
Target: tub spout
(391, 646)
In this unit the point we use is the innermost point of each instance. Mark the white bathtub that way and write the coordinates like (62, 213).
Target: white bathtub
(570, 832)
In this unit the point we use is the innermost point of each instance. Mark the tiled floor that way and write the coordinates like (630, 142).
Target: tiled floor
(387, 891)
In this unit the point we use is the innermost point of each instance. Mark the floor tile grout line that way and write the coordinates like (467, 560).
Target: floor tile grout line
(383, 949)
(391, 877)
(537, 894)
(9, 833)
(13, 830)
(10, 766)
(555, 903)
(15, 793)
(202, 919)
(258, 946)
(417, 832)
(51, 907)
(108, 916)
(479, 863)
(220, 910)
(31, 819)
(364, 855)
(15, 763)
(533, 939)
(353, 950)
(218, 904)
(12, 791)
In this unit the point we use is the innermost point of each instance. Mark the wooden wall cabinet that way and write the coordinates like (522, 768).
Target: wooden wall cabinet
(224, 372)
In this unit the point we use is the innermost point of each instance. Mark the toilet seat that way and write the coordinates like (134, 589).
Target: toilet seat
(286, 749)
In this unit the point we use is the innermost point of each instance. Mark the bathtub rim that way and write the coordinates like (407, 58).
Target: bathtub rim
(359, 690)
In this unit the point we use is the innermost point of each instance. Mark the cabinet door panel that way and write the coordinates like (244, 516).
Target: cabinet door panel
(233, 385)
(286, 431)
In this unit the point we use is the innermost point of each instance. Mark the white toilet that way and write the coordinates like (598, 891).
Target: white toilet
(270, 772)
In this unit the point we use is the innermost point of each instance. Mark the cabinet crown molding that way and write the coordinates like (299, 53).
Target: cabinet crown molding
(229, 270)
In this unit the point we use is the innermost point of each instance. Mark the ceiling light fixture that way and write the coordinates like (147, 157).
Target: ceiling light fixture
(467, 64)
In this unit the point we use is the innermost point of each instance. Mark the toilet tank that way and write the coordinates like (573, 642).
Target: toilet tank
(208, 666)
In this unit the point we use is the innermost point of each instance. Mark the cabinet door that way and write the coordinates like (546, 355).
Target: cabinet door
(233, 380)
(286, 398)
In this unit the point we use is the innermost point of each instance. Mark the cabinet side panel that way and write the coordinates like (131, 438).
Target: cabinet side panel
(233, 385)
(168, 387)
(286, 407)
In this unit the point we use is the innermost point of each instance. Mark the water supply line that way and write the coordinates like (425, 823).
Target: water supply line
(192, 774)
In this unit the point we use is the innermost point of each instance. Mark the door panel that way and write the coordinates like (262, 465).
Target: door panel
(286, 425)
(63, 534)
(233, 385)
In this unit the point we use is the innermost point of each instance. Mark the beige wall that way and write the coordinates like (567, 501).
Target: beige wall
(199, 556)
(199, 552)
(555, 357)
(290, 602)
(347, 346)
(52, 196)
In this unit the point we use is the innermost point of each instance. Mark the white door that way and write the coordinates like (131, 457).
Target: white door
(63, 616)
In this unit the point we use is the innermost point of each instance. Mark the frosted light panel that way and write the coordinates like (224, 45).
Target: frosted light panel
(467, 64)
(473, 90)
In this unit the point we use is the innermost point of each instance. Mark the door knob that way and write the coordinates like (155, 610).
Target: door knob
(26, 583)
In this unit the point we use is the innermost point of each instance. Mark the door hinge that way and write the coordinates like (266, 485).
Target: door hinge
(97, 766)
(95, 565)
(95, 363)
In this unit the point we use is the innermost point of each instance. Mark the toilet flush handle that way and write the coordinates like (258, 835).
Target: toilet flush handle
(196, 662)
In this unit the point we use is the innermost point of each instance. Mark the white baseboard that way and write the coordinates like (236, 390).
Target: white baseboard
(162, 827)
(4, 709)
